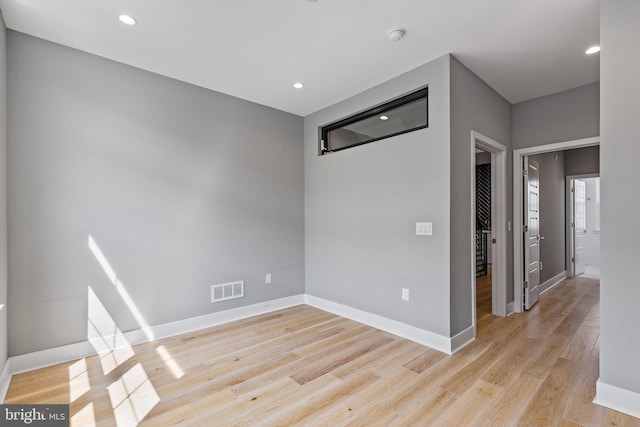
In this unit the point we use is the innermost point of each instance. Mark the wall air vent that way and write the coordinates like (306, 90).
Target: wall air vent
(226, 291)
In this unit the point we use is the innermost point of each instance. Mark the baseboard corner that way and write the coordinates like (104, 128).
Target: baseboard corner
(462, 339)
(617, 398)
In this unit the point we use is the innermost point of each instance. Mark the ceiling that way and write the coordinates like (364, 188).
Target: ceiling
(257, 49)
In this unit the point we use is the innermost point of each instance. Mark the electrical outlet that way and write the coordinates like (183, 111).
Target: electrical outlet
(405, 294)
(424, 229)
(267, 279)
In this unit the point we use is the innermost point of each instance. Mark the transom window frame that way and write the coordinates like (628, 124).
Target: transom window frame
(418, 94)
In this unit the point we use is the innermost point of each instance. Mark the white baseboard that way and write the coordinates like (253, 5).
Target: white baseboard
(462, 339)
(548, 284)
(67, 353)
(618, 399)
(75, 351)
(421, 336)
(510, 309)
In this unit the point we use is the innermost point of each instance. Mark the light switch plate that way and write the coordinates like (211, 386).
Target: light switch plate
(424, 229)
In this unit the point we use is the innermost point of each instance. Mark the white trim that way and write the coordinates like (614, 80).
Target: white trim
(5, 380)
(510, 309)
(550, 283)
(67, 353)
(421, 336)
(617, 398)
(75, 351)
(498, 223)
(517, 204)
(463, 339)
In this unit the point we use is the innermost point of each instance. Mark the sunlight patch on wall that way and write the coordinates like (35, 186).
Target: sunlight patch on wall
(124, 294)
(105, 336)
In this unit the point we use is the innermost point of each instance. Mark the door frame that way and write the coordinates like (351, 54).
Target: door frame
(518, 245)
(498, 223)
(569, 216)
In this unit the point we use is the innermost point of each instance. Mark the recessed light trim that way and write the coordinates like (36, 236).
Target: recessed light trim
(592, 50)
(127, 19)
(384, 117)
(298, 85)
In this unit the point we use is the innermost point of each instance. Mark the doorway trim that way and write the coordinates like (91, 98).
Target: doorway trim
(498, 223)
(569, 216)
(518, 248)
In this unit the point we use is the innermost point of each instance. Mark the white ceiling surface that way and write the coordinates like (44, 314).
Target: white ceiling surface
(256, 49)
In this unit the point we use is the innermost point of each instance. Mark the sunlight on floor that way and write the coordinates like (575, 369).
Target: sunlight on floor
(84, 417)
(132, 397)
(78, 380)
(170, 362)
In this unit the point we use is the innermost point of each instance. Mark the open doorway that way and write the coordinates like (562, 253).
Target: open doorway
(493, 229)
(583, 226)
(484, 235)
(578, 160)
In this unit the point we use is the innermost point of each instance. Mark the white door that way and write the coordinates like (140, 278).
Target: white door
(579, 226)
(531, 232)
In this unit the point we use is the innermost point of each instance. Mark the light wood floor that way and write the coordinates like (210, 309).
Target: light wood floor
(483, 296)
(303, 366)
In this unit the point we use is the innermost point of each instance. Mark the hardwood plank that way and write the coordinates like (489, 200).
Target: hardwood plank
(509, 409)
(304, 366)
(470, 405)
(580, 408)
(546, 407)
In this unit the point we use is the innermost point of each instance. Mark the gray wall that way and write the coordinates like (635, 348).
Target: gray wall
(180, 188)
(620, 149)
(3, 193)
(582, 161)
(552, 214)
(474, 106)
(361, 206)
(564, 116)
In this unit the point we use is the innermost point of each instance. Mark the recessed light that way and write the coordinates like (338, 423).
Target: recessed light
(127, 20)
(298, 85)
(592, 50)
(384, 118)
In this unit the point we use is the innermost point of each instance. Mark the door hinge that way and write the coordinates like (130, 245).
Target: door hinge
(526, 285)
(573, 259)
(525, 172)
(525, 228)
